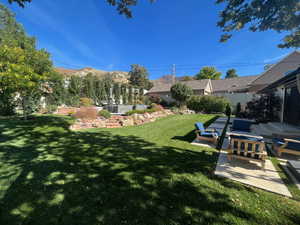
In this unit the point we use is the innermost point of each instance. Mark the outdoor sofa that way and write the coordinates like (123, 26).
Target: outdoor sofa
(210, 134)
(247, 147)
(239, 125)
(287, 145)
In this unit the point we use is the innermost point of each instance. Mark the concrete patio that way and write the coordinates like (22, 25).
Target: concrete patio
(251, 173)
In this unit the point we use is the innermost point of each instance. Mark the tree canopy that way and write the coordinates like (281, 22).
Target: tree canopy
(231, 73)
(208, 72)
(262, 15)
(181, 93)
(24, 70)
(138, 77)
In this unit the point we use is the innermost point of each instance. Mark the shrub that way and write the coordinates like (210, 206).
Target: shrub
(156, 107)
(106, 114)
(86, 113)
(208, 104)
(50, 108)
(155, 98)
(175, 109)
(238, 109)
(86, 102)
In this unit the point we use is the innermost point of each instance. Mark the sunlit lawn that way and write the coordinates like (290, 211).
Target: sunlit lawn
(145, 175)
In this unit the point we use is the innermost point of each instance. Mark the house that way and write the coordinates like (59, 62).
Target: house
(162, 89)
(236, 90)
(288, 89)
(276, 71)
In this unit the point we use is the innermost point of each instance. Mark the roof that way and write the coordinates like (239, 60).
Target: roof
(287, 78)
(232, 84)
(279, 70)
(165, 87)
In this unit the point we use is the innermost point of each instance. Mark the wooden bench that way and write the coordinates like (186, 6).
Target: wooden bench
(290, 146)
(247, 147)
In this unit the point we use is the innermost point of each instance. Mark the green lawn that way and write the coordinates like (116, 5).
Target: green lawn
(137, 175)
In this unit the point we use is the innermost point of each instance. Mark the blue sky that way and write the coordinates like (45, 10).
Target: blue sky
(90, 33)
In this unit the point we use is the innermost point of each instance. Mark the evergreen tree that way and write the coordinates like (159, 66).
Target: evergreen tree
(89, 82)
(100, 93)
(124, 93)
(116, 93)
(138, 77)
(108, 87)
(130, 95)
(74, 90)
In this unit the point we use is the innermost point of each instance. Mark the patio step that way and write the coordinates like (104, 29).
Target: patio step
(283, 128)
(263, 130)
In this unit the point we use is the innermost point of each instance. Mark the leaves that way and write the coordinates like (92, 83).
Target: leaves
(208, 72)
(262, 15)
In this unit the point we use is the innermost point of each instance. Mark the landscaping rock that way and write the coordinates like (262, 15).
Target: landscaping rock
(117, 121)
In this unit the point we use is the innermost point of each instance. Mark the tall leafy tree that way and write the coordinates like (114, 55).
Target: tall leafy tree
(24, 70)
(130, 95)
(181, 93)
(108, 82)
(231, 73)
(117, 93)
(58, 94)
(208, 72)
(74, 90)
(100, 92)
(138, 77)
(262, 15)
(124, 93)
(11, 32)
(89, 82)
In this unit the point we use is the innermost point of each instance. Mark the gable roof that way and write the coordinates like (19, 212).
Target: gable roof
(232, 84)
(291, 77)
(278, 70)
(194, 84)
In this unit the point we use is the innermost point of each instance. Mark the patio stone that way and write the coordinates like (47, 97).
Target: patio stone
(252, 174)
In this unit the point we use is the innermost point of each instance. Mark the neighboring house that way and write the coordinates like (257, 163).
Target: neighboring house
(199, 87)
(276, 71)
(288, 89)
(236, 90)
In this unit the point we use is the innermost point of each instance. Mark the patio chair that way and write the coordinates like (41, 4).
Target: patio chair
(241, 125)
(210, 134)
(287, 145)
(247, 147)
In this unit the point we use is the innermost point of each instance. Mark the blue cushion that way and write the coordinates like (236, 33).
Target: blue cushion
(209, 134)
(246, 138)
(241, 125)
(200, 127)
(293, 146)
(278, 141)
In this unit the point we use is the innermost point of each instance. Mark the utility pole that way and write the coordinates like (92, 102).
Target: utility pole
(174, 70)
(174, 74)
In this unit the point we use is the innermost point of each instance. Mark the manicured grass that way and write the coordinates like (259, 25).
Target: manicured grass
(138, 175)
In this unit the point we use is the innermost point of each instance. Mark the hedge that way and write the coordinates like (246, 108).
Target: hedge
(208, 104)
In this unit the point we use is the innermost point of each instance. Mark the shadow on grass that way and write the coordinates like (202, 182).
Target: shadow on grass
(64, 177)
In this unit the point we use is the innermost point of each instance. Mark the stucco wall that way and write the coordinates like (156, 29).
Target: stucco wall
(236, 98)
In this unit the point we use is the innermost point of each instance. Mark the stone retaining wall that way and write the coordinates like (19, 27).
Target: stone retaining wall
(120, 121)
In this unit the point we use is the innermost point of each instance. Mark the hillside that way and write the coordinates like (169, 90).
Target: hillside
(118, 76)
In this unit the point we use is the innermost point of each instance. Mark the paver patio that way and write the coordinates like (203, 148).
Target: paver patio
(251, 173)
